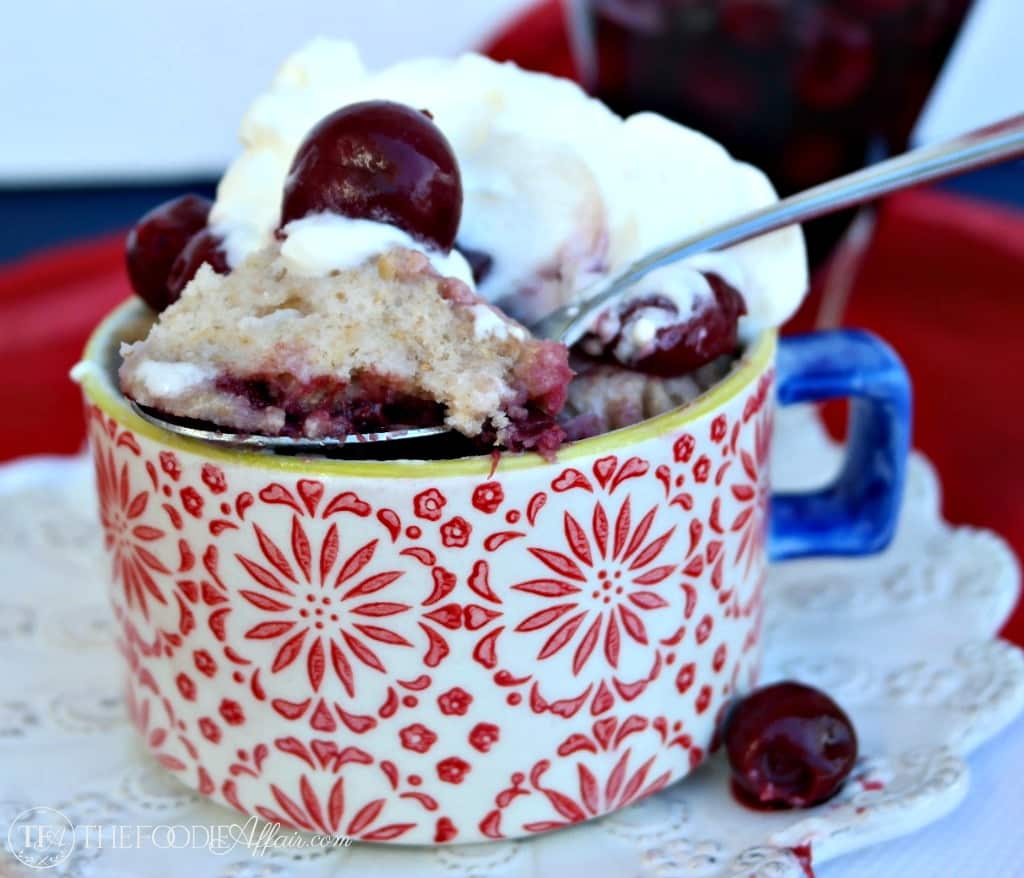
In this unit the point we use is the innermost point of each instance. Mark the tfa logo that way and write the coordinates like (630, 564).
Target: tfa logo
(41, 837)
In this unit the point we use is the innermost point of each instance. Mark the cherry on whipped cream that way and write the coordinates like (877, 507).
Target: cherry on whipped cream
(381, 161)
(204, 247)
(689, 344)
(156, 242)
(789, 745)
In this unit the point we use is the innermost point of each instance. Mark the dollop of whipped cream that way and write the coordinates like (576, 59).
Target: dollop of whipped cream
(557, 188)
(324, 242)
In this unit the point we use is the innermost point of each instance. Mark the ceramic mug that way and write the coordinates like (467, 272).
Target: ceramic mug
(462, 650)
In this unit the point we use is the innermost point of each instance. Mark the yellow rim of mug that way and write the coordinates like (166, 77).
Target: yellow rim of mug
(99, 389)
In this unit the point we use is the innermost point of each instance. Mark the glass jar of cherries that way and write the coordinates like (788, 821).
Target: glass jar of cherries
(805, 89)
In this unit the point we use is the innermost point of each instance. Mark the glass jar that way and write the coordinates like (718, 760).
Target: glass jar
(804, 89)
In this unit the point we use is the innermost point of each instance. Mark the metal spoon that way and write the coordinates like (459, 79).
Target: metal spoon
(569, 323)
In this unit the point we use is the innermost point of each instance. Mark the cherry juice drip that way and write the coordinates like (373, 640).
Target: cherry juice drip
(803, 855)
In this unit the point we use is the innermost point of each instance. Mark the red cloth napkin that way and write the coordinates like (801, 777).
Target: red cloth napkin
(48, 305)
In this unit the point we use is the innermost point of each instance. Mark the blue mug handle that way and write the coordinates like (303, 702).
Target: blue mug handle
(857, 513)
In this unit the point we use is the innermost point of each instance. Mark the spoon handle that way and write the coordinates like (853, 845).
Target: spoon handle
(968, 152)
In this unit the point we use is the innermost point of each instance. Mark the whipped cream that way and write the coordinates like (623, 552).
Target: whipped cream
(557, 188)
(172, 379)
(488, 323)
(324, 242)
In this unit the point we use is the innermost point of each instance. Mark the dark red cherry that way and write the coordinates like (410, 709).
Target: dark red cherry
(205, 246)
(789, 745)
(155, 242)
(683, 347)
(381, 161)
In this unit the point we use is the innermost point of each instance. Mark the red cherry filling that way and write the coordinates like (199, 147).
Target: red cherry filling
(205, 246)
(156, 241)
(681, 347)
(328, 404)
(789, 745)
(381, 161)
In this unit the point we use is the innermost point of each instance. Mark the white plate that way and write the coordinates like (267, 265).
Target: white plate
(904, 640)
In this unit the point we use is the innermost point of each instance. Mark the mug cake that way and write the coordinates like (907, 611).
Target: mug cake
(377, 251)
(544, 621)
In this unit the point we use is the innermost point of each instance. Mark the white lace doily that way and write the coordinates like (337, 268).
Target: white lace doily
(904, 640)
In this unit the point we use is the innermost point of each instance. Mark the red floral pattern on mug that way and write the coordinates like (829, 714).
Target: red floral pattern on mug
(601, 587)
(192, 502)
(554, 641)
(213, 477)
(327, 607)
(452, 770)
(127, 535)
(454, 702)
(683, 448)
(328, 816)
(455, 533)
(624, 784)
(484, 736)
(170, 465)
(417, 737)
(231, 712)
(488, 496)
(204, 662)
(750, 489)
(429, 504)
